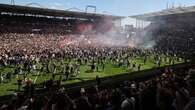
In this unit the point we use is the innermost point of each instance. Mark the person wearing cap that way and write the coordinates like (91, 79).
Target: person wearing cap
(191, 84)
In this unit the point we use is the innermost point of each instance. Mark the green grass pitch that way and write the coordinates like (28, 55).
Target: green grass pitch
(110, 70)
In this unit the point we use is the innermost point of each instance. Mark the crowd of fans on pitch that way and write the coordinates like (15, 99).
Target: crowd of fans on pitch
(26, 51)
(38, 43)
(157, 93)
(18, 49)
(173, 90)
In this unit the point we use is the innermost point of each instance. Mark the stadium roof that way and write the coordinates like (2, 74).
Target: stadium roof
(4, 8)
(179, 11)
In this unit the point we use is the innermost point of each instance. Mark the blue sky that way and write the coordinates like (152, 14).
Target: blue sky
(116, 7)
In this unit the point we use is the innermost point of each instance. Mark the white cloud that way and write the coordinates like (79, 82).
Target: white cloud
(57, 5)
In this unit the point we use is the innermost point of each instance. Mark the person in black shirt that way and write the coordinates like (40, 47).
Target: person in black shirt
(19, 84)
(92, 67)
(67, 71)
(98, 80)
(139, 67)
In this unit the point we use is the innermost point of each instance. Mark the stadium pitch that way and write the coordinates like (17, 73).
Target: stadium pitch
(38, 77)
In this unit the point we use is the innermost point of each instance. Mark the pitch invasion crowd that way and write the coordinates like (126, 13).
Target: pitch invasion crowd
(173, 90)
(23, 51)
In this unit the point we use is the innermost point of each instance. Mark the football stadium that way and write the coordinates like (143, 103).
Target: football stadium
(55, 59)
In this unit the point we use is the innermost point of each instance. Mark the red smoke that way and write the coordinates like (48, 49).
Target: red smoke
(84, 27)
(105, 25)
